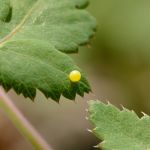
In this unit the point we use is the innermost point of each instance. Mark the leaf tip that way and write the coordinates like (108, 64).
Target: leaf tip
(89, 130)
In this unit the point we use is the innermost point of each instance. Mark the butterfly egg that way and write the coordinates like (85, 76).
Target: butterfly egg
(75, 76)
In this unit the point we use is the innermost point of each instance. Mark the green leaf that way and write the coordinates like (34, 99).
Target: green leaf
(34, 37)
(119, 130)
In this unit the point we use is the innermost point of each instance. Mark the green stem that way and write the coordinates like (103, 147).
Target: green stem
(25, 128)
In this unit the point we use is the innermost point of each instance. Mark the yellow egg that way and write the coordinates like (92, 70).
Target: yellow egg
(75, 76)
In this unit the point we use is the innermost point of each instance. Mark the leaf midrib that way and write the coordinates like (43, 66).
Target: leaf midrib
(20, 25)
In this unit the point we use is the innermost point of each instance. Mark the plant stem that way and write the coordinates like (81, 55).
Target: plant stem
(25, 128)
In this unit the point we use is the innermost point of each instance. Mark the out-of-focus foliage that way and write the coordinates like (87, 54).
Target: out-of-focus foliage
(121, 49)
(124, 31)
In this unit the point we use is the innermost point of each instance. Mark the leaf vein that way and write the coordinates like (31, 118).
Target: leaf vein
(19, 26)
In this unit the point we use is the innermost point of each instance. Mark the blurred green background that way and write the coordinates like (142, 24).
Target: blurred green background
(117, 64)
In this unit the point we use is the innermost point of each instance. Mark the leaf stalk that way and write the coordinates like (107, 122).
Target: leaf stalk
(21, 123)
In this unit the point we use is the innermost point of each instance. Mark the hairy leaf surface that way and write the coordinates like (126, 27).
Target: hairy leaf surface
(35, 36)
(119, 130)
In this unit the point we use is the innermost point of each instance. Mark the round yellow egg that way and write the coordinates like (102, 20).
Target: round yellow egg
(75, 76)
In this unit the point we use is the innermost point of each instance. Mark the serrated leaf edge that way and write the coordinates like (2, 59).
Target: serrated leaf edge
(145, 116)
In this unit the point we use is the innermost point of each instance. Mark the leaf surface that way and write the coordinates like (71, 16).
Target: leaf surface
(35, 36)
(119, 130)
